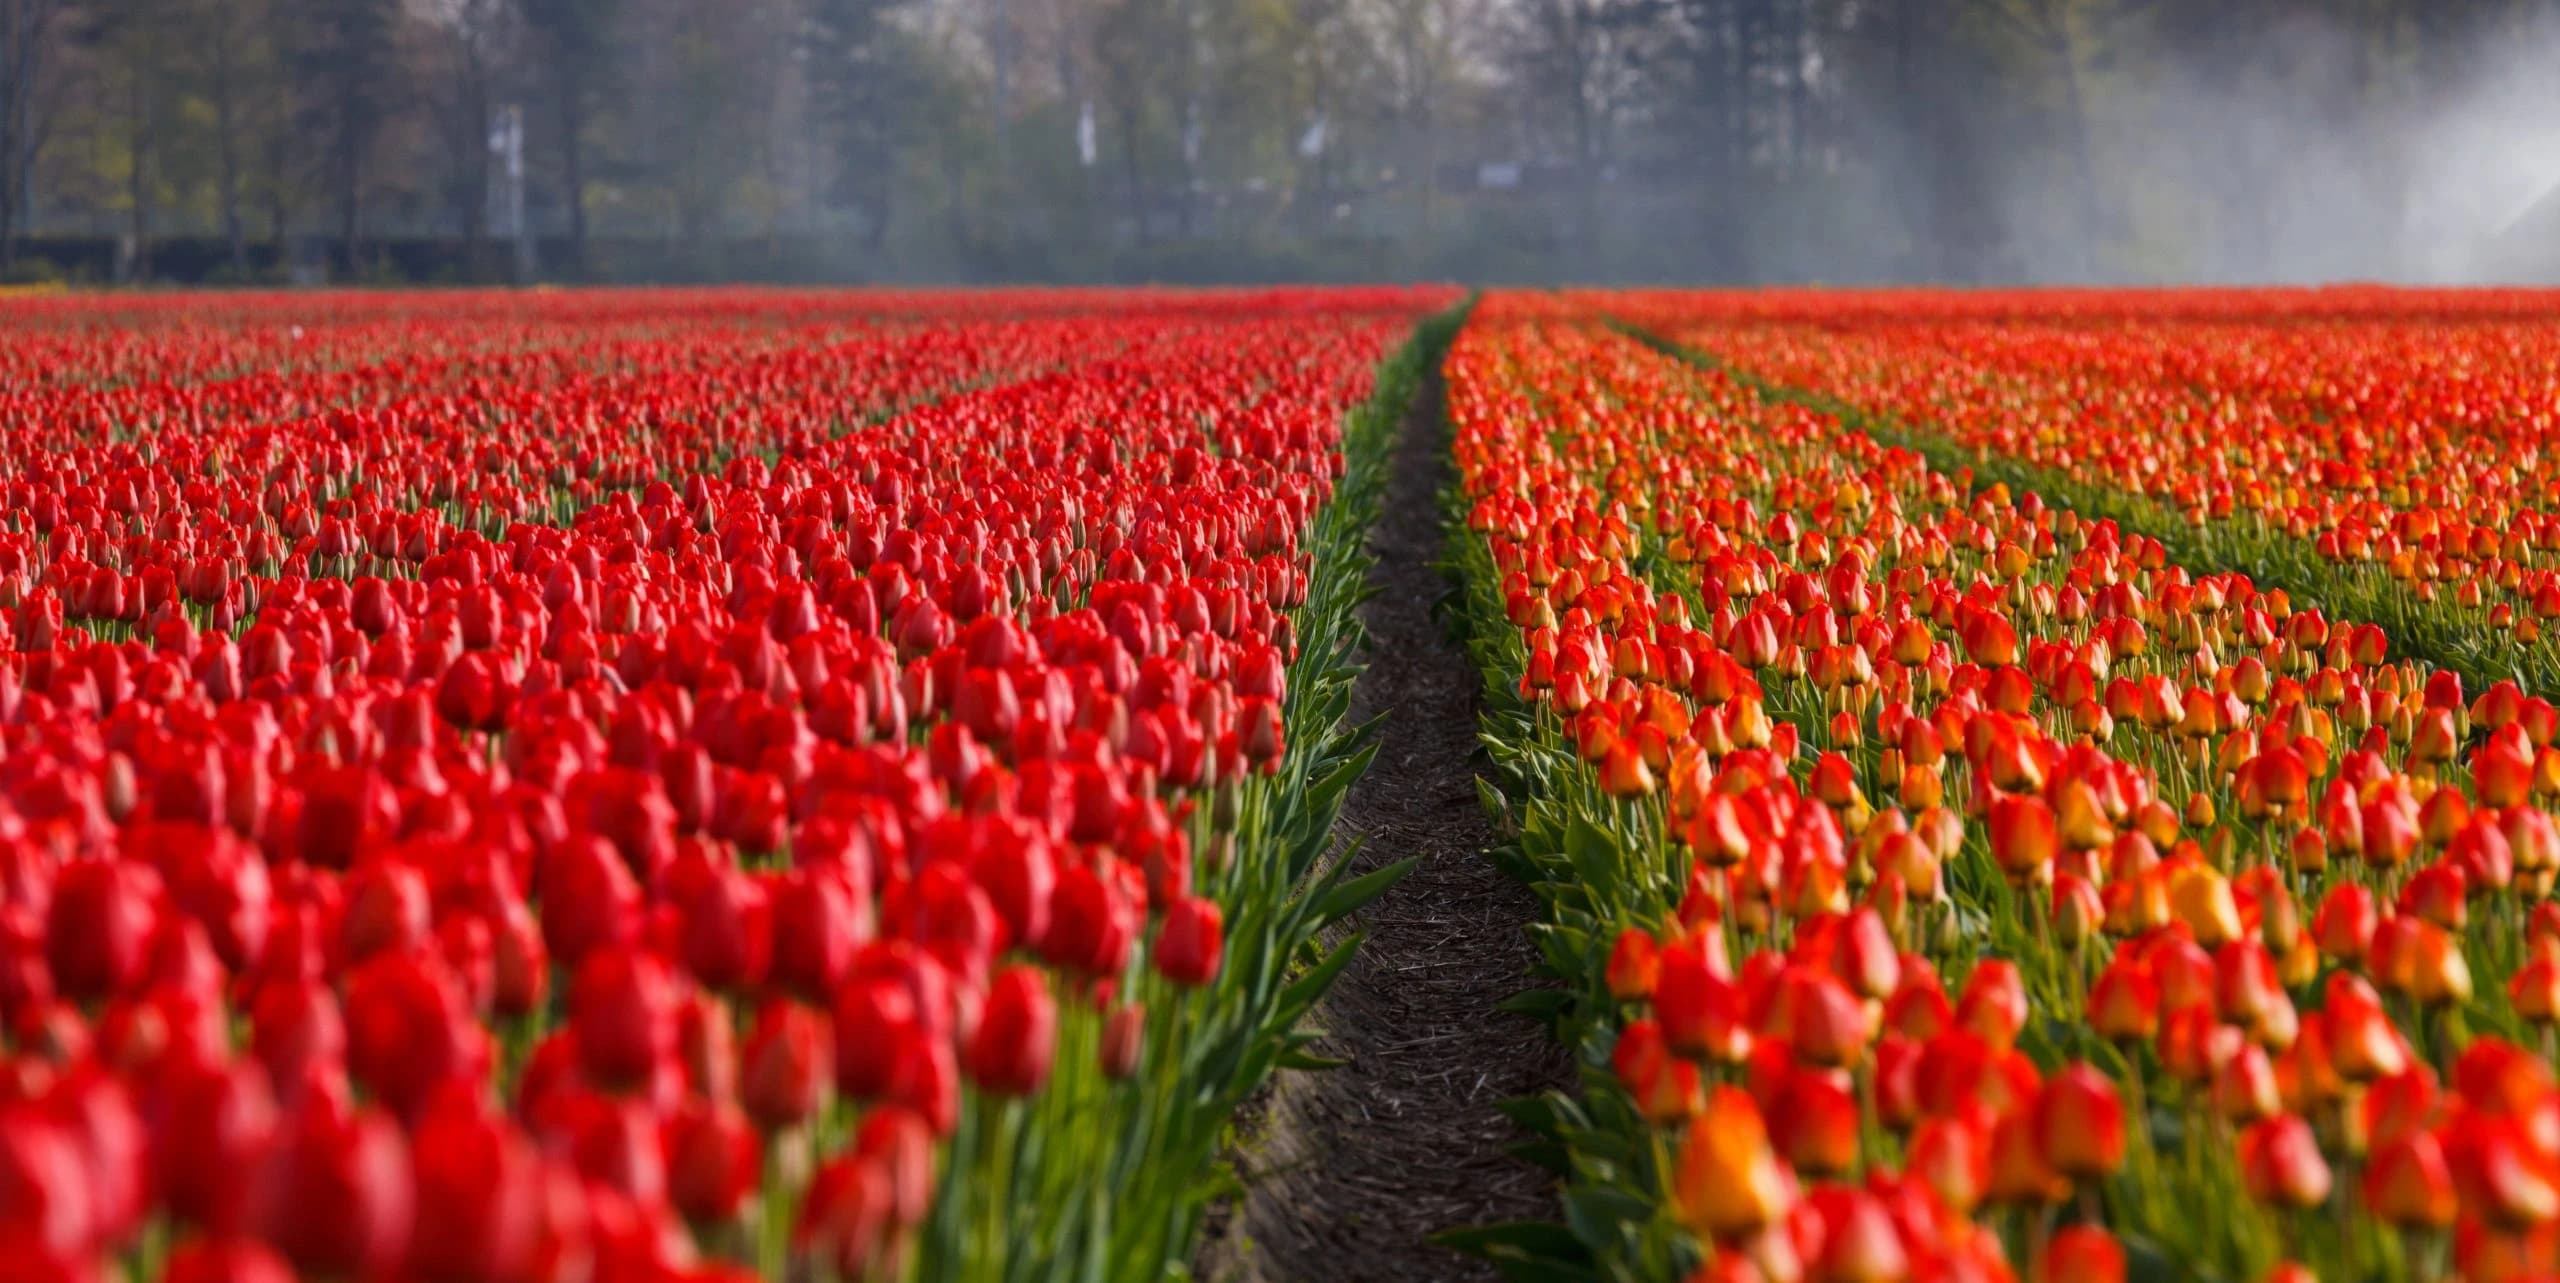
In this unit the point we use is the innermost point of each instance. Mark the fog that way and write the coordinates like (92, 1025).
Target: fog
(1533, 141)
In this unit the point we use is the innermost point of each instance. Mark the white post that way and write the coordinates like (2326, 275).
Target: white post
(508, 141)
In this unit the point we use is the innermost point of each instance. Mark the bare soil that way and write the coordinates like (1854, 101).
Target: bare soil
(1349, 1171)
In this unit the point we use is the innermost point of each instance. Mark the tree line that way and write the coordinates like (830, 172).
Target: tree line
(1739, 140)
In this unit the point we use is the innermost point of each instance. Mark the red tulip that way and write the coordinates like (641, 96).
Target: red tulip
(410, 1030)
(714, 1161)
(2024, 837)
(1814, 1122)
(2081, 1254)
(225, 1260)
(1860, 1240)
(846, 1220)
(1634, 965)
(624, 1010)
(336, 1194)
(98, 930)
(1092, 925)
(1017, 1034)
(787, 1066)
(2407, 1182)
(1817, 1017)
(2281, 1164)
(1191, 942)
(1994, 1004)
(478, 1183)
(1727, 1183)
(2500, 1176)
(876, 1021)
(45, 1199)
(1700, 1011)
(215, 1123)
(2079, 1123)
(818, 927)
(1665, 1087)
(1954, 1157)
(589, 900)
(728, 930)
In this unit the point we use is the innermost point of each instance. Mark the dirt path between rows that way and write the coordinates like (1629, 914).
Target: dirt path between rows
(1357, 1167)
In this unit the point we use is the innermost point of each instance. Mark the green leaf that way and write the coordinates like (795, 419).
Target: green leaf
(1346, 899)
(1303, 992)
(1546, 1155)
(1532, 1240)
(1593, 851)
(1542, 1003)
(1322, 793)
(1532, 1113)
(1600, 1215)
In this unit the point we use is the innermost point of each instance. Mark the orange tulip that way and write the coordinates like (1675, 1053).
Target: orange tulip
(2079, 1124)
(1664, 1086)
(2407, 1183)
(2281, 1164)
(2081, 1254)
(1814, 1121)
(1634, 964)
(1727, 1182)
(2024, 837)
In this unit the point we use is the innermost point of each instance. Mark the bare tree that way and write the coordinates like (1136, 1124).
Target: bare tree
(572, 42)
(857, 70)
(468, 41)
(343, 58)
(29, 35)
(232, 58)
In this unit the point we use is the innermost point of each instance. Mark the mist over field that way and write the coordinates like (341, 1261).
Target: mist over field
(1962, 141)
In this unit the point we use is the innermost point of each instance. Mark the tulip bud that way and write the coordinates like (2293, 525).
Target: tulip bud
(1124, 1034)
(2124, 1003)
(2079, 912)
(217, 1123)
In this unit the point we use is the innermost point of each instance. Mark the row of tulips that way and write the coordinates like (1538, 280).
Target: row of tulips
(252, 343)
(213, 514)
(1954, 886)
(2389, 461)
(892, 853)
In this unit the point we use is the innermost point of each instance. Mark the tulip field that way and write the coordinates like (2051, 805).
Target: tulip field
(844, 785)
